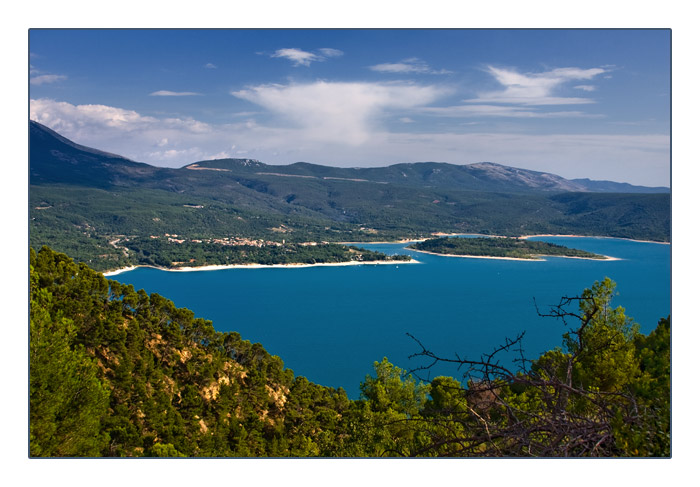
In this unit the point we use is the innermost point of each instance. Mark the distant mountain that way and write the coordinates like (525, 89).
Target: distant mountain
(482, 176)
(612, 187)
(53, 158)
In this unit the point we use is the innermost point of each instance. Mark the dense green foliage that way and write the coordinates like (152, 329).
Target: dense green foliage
(116, 372)
(100, 228)
(161, 252)
(499, 247)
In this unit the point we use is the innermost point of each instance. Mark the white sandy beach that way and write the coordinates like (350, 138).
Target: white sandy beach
(607, 257)
(476, 256)
(260, 266)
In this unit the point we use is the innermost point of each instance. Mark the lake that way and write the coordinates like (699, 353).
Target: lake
(331, 323)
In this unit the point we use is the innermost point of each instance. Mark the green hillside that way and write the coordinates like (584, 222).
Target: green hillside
(513, 248)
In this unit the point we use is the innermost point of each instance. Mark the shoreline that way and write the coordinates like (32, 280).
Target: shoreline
(442, 234)
(538, 258)
(258, 266)
(382, 262)
(478, 256)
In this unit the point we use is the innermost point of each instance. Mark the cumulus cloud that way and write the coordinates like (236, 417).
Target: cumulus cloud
(46, 78)
(129, 133)
(339, 111)
(410, 65)
(174, 93)
(330, 52)
(305, 58)
(65, 117)
(535, 88)
(92, 119)
(210, 66)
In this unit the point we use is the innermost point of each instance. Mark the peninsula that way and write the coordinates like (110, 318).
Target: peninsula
(499, 247)
(185, 254)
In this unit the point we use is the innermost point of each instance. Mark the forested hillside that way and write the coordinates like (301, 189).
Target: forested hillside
(503, 247)
(116, 372)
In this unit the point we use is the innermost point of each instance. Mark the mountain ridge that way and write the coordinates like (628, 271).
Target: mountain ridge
(476, 176)
(82, 163)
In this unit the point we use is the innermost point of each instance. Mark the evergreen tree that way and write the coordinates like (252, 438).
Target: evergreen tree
(68, 402)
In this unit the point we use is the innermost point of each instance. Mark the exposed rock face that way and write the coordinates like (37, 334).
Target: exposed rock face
(523, 177)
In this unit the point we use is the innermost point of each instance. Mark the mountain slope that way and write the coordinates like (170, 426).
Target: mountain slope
(55, 159)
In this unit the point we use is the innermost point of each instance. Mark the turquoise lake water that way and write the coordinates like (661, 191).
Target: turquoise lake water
(330, 324)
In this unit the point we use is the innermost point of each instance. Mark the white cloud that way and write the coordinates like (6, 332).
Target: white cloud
(46, 78)
(535, 88)
(65, 117)
(522, 94)
(410, 65)
(305, 58)
(330, 52)
(130, 133)
(343, 112)
(187, 124)
(210, 66)
(174, 155)
(174, 93)
(297, 56)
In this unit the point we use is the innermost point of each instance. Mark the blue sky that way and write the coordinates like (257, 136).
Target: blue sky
(578, 103)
